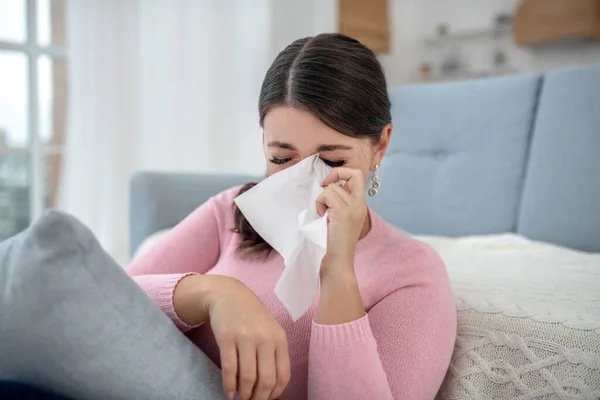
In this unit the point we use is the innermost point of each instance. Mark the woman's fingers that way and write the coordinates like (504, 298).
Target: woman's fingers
(247, 373)
(321, 205)
(282, 366)
(343, 193)
(267, 374)
(255, 373)
(355, 180)
(241, 325)
(229, 366)
(330, 198)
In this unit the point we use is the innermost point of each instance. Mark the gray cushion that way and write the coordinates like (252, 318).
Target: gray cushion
(561, 201)
(74, 323)
(456, 162)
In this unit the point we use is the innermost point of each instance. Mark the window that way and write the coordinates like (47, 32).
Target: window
(33, 108)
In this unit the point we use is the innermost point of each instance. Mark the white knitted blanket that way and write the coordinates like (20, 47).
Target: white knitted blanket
(528, 319)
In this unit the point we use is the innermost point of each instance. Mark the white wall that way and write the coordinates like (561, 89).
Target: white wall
(405, 44)
(295, 19)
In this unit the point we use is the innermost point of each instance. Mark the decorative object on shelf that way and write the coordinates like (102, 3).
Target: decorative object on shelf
(544, 21)
(500, 53)
(502, 21)
(502, 24)
(451, 64)
(366, 21)
(442, 30)
(425, 71)
(500, 59)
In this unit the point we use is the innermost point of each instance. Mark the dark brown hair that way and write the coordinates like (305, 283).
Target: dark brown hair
(336, 79)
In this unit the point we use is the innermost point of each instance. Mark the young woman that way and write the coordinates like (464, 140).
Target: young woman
(384, 323)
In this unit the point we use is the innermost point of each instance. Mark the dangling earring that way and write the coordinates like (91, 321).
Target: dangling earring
(374, 182)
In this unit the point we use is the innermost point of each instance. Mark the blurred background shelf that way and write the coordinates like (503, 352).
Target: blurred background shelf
(475, 34)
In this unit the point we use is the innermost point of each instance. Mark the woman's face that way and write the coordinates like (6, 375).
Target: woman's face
(291, 135)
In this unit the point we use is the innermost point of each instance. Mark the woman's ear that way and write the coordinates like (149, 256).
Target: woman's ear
(381, 147)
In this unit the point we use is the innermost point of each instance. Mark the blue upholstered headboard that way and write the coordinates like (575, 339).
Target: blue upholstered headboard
(512, 154)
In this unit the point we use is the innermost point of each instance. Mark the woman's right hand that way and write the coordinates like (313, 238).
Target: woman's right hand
(255, 361)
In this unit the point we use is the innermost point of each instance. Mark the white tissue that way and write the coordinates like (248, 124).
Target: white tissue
(283, 211)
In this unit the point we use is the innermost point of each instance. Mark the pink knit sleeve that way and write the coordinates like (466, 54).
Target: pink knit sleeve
(192, 247)
(400, 350)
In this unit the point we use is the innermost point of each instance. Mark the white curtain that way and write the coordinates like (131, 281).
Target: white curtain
(158, 85)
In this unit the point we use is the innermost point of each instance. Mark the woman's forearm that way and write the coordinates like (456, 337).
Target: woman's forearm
(340, 300)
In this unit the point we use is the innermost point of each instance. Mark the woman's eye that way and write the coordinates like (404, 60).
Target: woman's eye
(334, 164)
(279, 161)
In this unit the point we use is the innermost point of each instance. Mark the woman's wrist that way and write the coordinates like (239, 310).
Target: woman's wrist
(335, 267)
(340, 300)
(192, 298)
(335, 279)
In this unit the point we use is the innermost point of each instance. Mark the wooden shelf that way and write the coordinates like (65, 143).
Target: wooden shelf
(465, 76)
(471, 35)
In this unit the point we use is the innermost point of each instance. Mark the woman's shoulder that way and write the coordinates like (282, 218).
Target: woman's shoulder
(226, 197)
(403, 254)
(223, 204)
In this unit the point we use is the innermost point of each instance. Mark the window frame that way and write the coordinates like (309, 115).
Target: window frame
(35, 148)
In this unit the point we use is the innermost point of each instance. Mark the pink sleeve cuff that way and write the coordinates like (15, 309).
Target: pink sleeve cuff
(352, 332)
(164, 299)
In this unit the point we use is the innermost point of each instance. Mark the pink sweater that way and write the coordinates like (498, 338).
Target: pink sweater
(399, 350)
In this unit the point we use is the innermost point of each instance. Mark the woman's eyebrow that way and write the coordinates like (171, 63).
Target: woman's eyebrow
(323, 148)
(333, 147)
(281, 145)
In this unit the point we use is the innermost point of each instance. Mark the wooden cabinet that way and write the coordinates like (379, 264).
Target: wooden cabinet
(543, 21)
(367, 21)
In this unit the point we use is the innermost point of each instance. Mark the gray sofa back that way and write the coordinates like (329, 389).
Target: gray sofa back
(512, 154)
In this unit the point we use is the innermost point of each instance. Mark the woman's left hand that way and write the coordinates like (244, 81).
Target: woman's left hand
(347, 210)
